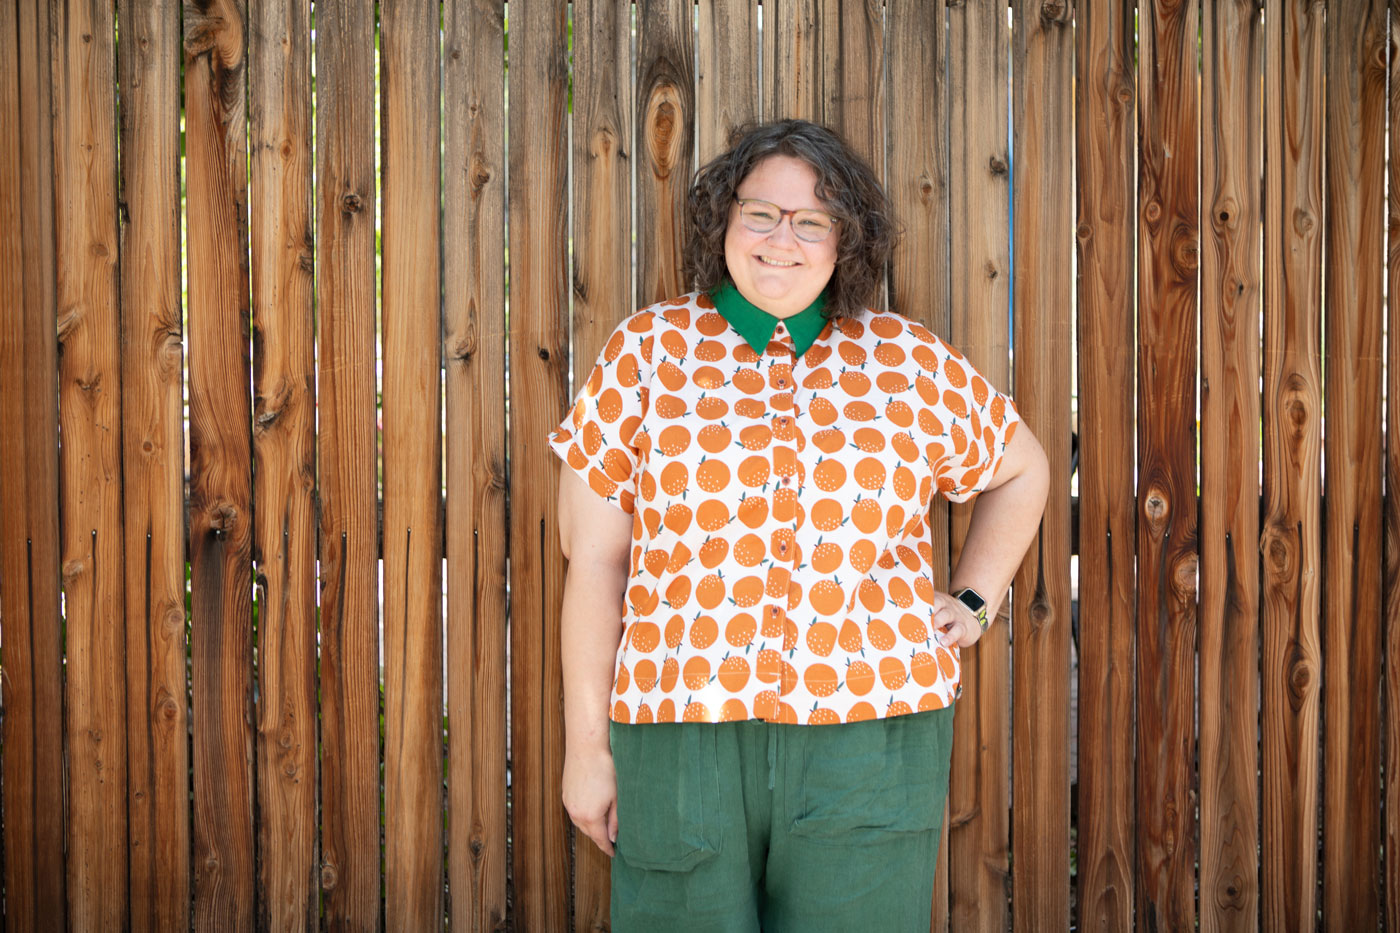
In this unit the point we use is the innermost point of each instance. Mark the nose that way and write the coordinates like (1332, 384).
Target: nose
(782, 233)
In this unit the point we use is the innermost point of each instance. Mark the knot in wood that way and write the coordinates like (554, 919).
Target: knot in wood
(479, 174)
(1186, 250)
(351, 204)
(72, 569)
(1052, 12)
(329, 876)
(996, 165)
(223, 518)
(1276, 548)
(1225, 211)
(1184, 574)
(1303, 222)
(1084, 232)
(1152, 212)
(1300, 679)
(663, 129)
(1156, 507)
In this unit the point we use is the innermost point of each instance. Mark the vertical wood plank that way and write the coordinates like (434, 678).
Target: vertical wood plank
(347, 465)
(1391, 736)
(221, 507)
(853, 70)
(602, 236)
(413, 830)
(153, 468)
(31, 675)
(539, 356)
(980, 281)
(1355, 82)
(792, 66)
(726, 72)
(474, 289)
(917, 182)
(1106, 134)
(1290, 536)
(284, 467)
(89, 329)
(1042, 119)
(1168, 236)
(1231, 165)
(665, 143)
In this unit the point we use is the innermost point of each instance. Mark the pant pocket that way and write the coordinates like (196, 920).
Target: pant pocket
(863, 781)
(667, 795)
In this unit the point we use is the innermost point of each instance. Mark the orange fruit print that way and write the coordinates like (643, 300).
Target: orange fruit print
(781, 566)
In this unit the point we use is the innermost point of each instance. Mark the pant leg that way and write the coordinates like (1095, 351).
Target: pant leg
(686, 852)
(855, 836)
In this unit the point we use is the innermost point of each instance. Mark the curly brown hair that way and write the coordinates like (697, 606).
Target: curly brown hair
(846, 185)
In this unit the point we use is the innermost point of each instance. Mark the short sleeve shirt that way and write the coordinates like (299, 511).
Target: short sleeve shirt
(781, 565)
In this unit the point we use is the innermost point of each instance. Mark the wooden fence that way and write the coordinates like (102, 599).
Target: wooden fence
(200, 726)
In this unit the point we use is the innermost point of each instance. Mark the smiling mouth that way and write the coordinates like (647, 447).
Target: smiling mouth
(776, 262)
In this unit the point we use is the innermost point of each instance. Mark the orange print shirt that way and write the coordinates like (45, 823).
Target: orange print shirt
(781, 563)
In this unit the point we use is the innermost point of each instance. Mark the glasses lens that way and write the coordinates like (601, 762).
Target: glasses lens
(759, 216)
(812, 226)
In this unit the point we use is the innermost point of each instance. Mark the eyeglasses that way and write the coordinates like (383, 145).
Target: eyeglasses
(764, 216)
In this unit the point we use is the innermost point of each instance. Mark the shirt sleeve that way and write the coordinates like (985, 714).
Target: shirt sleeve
(980, 421)
(597, 437)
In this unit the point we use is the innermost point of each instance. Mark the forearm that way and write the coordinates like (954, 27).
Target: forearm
(591, 630)
(1004, 522)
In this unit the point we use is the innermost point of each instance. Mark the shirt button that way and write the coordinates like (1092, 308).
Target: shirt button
(787, 480)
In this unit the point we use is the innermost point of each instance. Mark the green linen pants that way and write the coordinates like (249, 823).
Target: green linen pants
(750, 826)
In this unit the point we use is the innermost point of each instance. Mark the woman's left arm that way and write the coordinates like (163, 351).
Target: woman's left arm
(1005, 518)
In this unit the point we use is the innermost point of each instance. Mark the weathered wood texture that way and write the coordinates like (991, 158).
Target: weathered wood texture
(153, 447)
(791, 70)
(1168, 248)
(1290, 532)
(726, 72)
(665, 141)
(979, 242)
(412, 334)
(284, 467)
(539, 353)
(1351, 783)
(90, 466)
(221, 502)
(852, 57)
(917, 180)
(602, 285)
(1105, 104)
(1391, 544)
(474, 357)
(1041, 102)
(1228, 639)
(31, 681)
(347, 464)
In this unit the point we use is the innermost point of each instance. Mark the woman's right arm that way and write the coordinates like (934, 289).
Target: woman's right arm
(596, 537)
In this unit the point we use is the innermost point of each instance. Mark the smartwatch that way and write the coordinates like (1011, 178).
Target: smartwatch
(974, 601)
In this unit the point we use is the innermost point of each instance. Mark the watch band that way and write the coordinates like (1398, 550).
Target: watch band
(973, 600)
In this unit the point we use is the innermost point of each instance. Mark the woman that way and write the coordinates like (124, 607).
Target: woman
(758, 672)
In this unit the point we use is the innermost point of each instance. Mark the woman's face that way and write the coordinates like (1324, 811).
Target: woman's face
(775, 270)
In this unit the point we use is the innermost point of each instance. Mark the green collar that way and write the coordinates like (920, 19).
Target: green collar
(756, 326)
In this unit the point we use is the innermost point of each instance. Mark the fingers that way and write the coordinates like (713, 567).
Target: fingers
(602, 831)
(612, 822)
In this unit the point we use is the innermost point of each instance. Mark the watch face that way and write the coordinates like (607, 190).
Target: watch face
(971, 600)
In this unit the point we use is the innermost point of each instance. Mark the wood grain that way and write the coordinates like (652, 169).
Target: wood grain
(90, 466)
(1355, 82)
(726, 73)
(1290, 533)
(153, 447)
(221, 506)
(980, 282)
(853, 72)
(602, 285)
(1105, 105)
(918, 185)
(413, 802)
(791, 70)
(1041, 99)
(1228, 641)
(347, 486)
(1168, 246)
(539, 339)
(665, 98)
(284, 461)
(474, 292)
(31, 677)
(1391, 546)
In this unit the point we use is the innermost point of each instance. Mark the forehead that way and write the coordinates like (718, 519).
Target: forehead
(784, 180)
